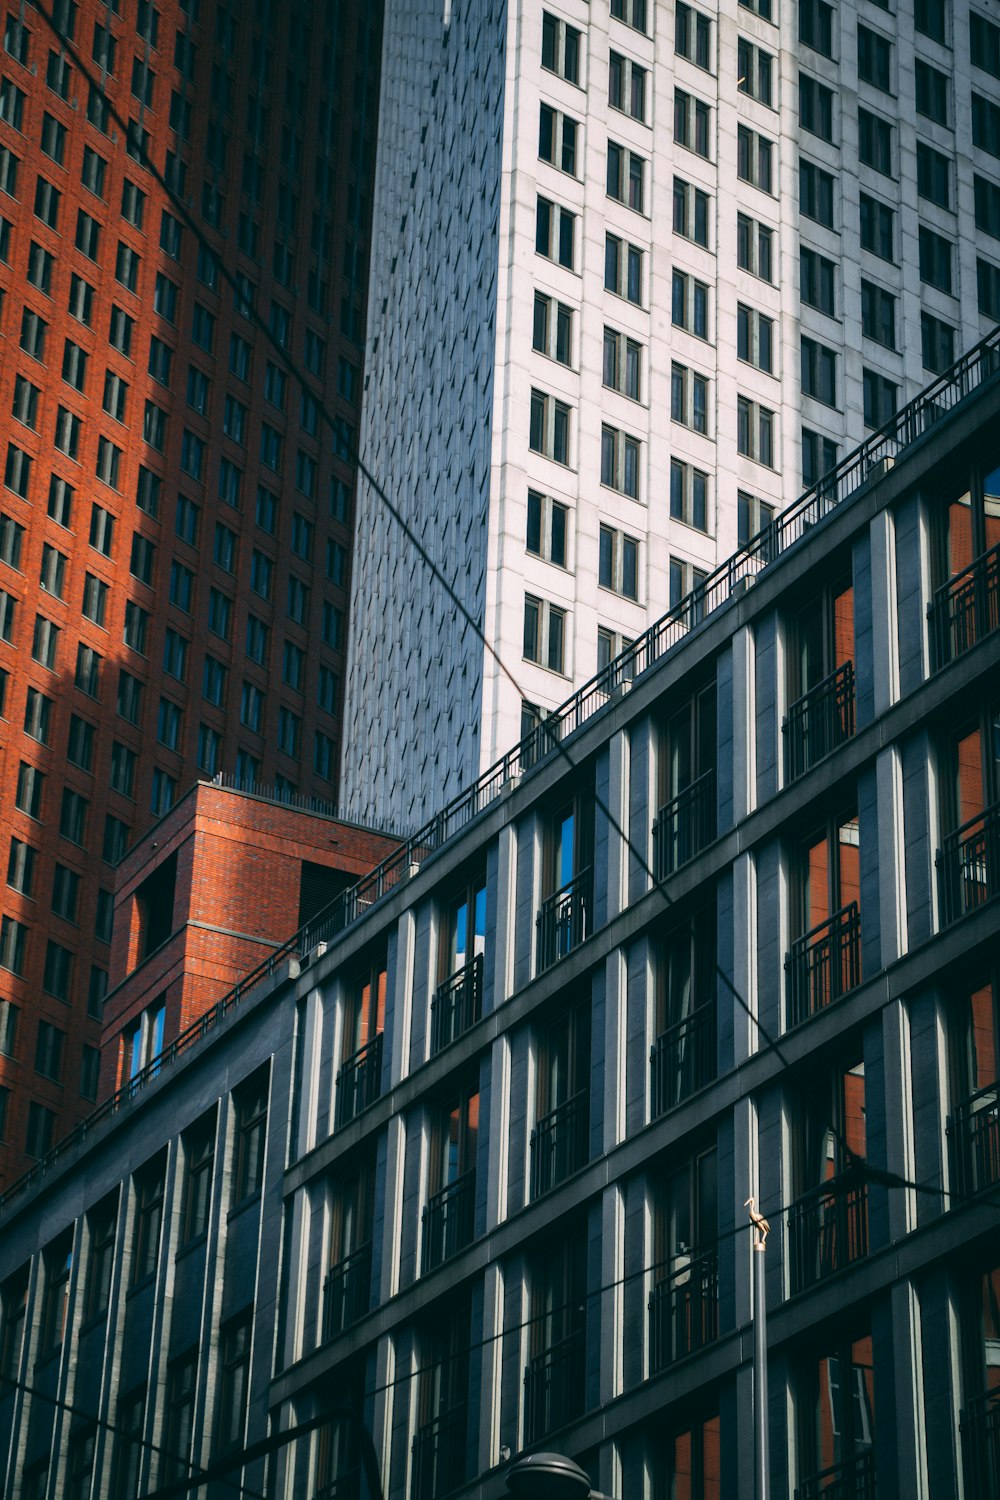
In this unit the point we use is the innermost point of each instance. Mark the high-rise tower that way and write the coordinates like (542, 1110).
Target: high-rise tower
(649, 268)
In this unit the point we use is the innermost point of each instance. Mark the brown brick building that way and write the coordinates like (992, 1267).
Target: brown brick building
(175, 511)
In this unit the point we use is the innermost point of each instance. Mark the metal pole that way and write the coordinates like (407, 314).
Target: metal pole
(762, 1486)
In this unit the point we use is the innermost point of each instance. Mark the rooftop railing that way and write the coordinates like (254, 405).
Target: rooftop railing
(731, 579)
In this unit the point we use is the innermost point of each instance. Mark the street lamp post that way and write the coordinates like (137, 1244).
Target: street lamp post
(550, 1476)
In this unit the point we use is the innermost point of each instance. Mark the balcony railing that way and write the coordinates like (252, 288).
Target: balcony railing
(347, 1293)
(827, 1230)
(854, 1479)
(965, 609)
(974, 1129)
(969, 865)
(980, 1428)
(819, 721)
(457, 1005)
(359, 1081)
(346, 1486)
(682, 1059)
(685, 826)
(554, 1387)
(565, 919)
(684, 1311)
(559, 1143)
(439, 1458)
(449, 1220)
(824, 964)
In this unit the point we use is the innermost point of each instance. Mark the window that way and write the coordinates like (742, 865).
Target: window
(149, 1186)
(21, 867)
(547, 522)
(261, 574)
(30, 782)
(935, 259)
(57, 74)
(333, 626)
(985, 124)
(37, 715)
(558, 136)
(95, 599)
(93, 172)
(328, 690)
(877, 226)
(47, 198)
(549, 427)
(239, 357)
(686, 583)
(988, 287)
(755, 431)
(234, 1381)
(49, 1051)
(688, 495)
(875, 142)
(52, 574)
(622, 364)
(560, 48)
(58, 971)
(689, 304)
(81, 300)
(115, 840)
(754, 159)
(985, 43)
(168, 724)
(692, 127)
(213, 684)
(40, 263)
(324, 755)
(45, 642)
(57, 1267)
(142, 558)
(552, 331)
(74, 365)
(13, 1318)
(931, 92)
(67, 433)
(623, 269)
(8, 609)
(12, 105)
(755, 338)
(632, 12)
(878, 314)
(175, 649)
(271, 443)
(754, 71)
(693, 35)
(626, 176)
(618, 563)
(293, 665)
(987, 204)
(88, 670)
(933, 175)
(544, 634)
(752, 517)
(192, 454)
(754, 249)
(816, 26)
(688, 398)
(73, 816)
(819, 371)
(13, 940)
(816, 193)
(136, 626)
(937, 343)
(25, 408)
(120, 330)
(122, 772)
(815, 107)
(88, 235)
(690, 212)
(817, 280)
(133, 204)
(819, 456)
(881, 398)
(874, 59)
(129, 697)
(627, 84)
(298, 600)
(620, 456)
(209, 750)
(164, 792)
(9, 164)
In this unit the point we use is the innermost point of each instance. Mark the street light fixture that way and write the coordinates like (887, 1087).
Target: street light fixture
(548, 1476)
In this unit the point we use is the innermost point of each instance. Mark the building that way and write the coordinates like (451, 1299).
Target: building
(470, 1162)
(176, 511)
(651, 268)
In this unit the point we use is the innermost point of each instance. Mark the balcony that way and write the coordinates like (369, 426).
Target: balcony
(684, 1311)
(819, 721)
(565, 920)
(969, 865)
(827, 1230)
(980, 1428)
(685, 826)
(439, 1464)
(854, 1479)
(359, 1081)
(559, 1144)
(965, 609)
(457, 1005)
(554, 1388)
(824, 964)
(682, 1060)
(449, 1220)
(347, 1291)
(974, 1130)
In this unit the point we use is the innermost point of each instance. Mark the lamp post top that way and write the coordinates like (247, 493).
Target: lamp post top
(547, 1476)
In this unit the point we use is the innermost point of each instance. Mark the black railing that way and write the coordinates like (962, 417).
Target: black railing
(980, 1428)
(827, 1230)
(974, 1130)
(439, 1458)
(346, 1486)
(853, 1479)
(965, 609)
(565, 919)
(682, 1059)
(457, 1004)
(824, 964)
(347, 1293)
(684, 1311)
(359, 1081)
(685, 826)
(559, 1143)
(554, 1387)
(449, 1220)
(819, 721)
(969, 865)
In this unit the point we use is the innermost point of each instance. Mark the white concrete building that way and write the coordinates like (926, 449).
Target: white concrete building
(645, 269)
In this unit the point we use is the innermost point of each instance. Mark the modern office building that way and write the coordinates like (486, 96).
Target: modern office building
(648, 268)
(468, 1165)
(176, 508)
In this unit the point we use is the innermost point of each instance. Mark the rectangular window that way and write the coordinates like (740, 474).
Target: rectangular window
(754, 248)
(559, 137)
(627, 86)
(875, 142)
(819, 456)
(692, 126)
(985, 124)
(198, 1145)
(819, 371)
(816, 26)
(881, 398)
(878, 314)
(688, 398)
(30, 782)
(560, 48)
(547, 524)
(816, 193)
(88, 670)
(626, 176)
(549, 431)
(21, 867)
(689, 304)
(754, 159)
(129, 700)
(13, 941)
(988, 287)
(544, 633)
(874, 59)
(690, 212)
(623, 269)
(688, 495)
(817, 278)
(136, 626)
(985, 43)
(987, 205)
(552, 329)
(815, 107)
(755, 431)
(693, 35)
(935, 259)
(620, 461)
(755, 338)
(877, 232)
(618, 562)
(37, 715)
(929, 18)
(755, 71)
(937, 343)
(622, 369)
(931, 92)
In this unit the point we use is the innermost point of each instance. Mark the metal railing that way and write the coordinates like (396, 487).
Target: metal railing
(979, 1425)
(974, 1132)
(824, 964)
(685, 826)
(346, 1486)
(965, 609)
(347, 1291)
(359, 1081)
(684, 1311)
(564, 920)
(554, 1387)
(853, 1479)
(819, 721)
(827, 1230)
(439, 1457)
(969, 865)
(682, 1059)
(728, 581)
(449, 1220)
(457, 1005)
(560, 1144)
